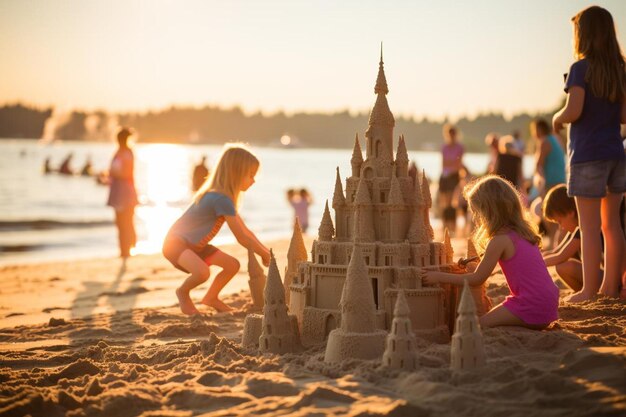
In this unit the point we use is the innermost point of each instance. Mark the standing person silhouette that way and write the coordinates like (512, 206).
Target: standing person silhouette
(200, 173)
(122, 193)
(549, 171)
(595, 107)
(452, 162)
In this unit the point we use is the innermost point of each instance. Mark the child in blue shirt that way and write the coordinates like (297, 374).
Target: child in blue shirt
(187, 246)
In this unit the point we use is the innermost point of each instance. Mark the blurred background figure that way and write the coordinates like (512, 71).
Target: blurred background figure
(65, 168)
(413, 171)
(452, 162)
(509, 163)
(122, 194)
(300, 200)
(491, 140)
(87, 170)
(549, 172)
(200, 173)
(47, 168)
(459, 201)
(519, 144)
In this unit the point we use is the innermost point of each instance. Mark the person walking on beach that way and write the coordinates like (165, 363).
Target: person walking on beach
(122, 192)
(187, 246)
(508, 238)
(200, 173)
(595, 107)
(452, 161)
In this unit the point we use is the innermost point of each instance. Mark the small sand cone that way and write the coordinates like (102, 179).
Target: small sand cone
(357, 337)
(295, 255)
(277, 334)
(401, 350)
(467, 350)
(483, 303)
(256, 281)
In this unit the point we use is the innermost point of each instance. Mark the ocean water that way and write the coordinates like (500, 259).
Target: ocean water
(52, 217)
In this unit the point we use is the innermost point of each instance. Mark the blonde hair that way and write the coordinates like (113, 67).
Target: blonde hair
(496, 205)
(595, 39)
(233, 165)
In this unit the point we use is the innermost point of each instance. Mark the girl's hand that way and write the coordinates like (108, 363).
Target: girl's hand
(265, 258)
(429, 277)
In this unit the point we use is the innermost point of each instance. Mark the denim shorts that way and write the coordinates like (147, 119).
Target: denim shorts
(594, 179)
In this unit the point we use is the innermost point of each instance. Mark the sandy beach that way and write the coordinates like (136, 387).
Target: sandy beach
(91, 338)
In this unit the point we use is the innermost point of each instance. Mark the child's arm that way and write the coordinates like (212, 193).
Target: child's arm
(246, 238)
(572, 110)
(566, 250)
(493, 252)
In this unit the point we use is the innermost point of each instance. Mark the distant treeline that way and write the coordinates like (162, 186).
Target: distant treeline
(218, 125)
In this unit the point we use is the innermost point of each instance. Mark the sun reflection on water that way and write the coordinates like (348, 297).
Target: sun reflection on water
(163, 183)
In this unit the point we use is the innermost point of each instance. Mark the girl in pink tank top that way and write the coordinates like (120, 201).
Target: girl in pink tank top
(508, 238)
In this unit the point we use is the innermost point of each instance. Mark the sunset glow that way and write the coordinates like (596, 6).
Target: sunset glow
(449, 57)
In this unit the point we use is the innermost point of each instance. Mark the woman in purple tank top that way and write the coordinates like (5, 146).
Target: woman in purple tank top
(508, 238)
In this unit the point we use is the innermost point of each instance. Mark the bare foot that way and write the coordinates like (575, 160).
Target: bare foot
(217, 304)
(186, 305)
(622, 293)
(579, 297)
(610, 294)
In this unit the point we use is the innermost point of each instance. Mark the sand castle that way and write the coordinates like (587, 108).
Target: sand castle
(385, 212)
(401, 348)
(467, 350)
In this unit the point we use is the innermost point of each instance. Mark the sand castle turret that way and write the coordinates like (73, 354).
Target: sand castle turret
(295, 255)
(417, 230)
(357, 336)
(326, 229)
(467, 350)
(401, 348)
(357, 157)
(448, 246)
(277, 334)
(364, 219)
(256, 281)
(402, 159)
(428, 203)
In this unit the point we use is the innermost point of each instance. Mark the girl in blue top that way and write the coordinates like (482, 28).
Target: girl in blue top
(187, 245)
(595, 107)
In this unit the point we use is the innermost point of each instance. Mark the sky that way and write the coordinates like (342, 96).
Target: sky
(443, 58)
